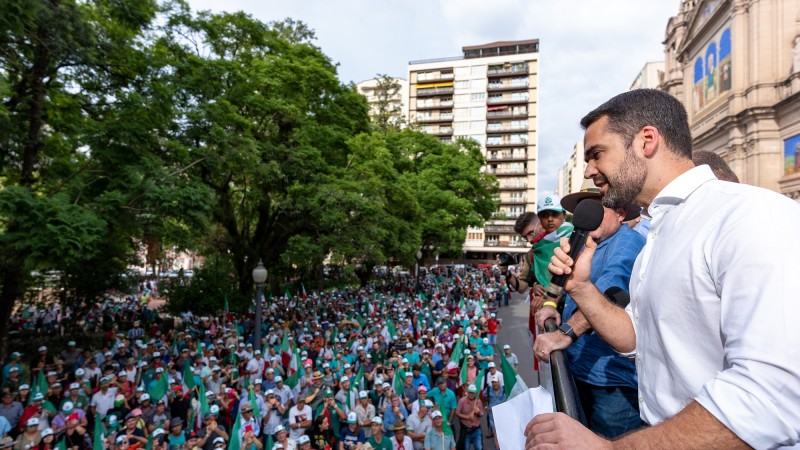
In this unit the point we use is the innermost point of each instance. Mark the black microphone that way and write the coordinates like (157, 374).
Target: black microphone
(587, 217)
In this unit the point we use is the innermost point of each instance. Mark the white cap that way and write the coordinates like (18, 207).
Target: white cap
(491, 364)
(352, 417)
(343, 379)
(436, 414)
(506, 347)
(549, 202)
(362, 394)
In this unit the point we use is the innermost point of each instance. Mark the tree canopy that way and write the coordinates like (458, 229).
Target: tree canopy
(147, 125)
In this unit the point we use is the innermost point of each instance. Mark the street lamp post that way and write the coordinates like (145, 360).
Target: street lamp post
(259, 277)
(419, 262)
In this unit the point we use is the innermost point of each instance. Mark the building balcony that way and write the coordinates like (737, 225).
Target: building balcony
(512, 201)
(503, 144)
(443, 131)
(515, 71)
(502, 157)
(505, 129)
(507, 101)
(440, 105)
(513, 186)
(434, 91)
(505, 114)
(506, 171)
(436, 77)
(507, 229)
(432, 119)
(501, 87)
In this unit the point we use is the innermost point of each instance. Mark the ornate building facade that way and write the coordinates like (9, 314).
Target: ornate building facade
(735, 64)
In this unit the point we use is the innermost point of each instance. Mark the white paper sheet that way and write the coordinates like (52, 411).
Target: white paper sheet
(511, 417)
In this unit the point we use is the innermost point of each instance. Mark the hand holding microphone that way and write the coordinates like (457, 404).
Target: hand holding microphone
(587, 218)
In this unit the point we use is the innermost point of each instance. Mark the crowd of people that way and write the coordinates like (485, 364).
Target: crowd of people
(383, 367)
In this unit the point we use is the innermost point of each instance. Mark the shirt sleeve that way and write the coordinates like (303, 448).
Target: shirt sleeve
(755, 276)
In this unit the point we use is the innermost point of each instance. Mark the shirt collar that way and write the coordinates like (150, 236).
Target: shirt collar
(679, 189)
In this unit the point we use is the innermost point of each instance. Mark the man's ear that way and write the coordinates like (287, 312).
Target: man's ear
(649, 140)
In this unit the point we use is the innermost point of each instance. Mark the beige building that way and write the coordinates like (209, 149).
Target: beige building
(735, 64)
(387, 97)
(570, 177)
(649, 77)
(489, 94)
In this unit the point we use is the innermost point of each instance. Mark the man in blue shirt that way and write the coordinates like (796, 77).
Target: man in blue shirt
(606, 381)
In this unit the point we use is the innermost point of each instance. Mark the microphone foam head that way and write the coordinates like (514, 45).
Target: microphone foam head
(588, 215)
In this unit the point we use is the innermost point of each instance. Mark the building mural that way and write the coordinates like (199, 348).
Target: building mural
(791, 155)
(712, 70)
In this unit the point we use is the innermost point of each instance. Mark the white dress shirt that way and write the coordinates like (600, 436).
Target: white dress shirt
(714, 302)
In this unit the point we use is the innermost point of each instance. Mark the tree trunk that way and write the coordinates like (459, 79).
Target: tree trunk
(12, 281)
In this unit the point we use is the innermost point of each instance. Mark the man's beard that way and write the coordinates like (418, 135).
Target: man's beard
(627, 183)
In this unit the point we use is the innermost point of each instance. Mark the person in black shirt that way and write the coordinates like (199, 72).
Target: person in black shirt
(321, 434)
(210, 431)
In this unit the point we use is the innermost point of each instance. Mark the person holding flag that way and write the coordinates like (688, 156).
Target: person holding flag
(469, 412)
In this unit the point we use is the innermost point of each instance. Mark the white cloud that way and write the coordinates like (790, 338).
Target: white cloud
(590, 50)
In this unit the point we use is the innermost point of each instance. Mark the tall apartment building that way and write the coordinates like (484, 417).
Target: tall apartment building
(570, 177)
(386, 97)
(489, 94)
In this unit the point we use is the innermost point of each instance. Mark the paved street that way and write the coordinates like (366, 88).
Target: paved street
(515, 333)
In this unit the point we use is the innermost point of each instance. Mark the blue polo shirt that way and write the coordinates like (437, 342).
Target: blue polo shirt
(590, 358)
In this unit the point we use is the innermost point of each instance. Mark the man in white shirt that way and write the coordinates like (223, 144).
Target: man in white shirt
(709, 320)
(300, 416)
(103, 400)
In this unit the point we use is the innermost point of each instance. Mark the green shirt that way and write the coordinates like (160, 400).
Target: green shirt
(385, 444)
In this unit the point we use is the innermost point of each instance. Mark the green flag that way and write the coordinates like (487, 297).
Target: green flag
(254, 403)
(512, 382)
(227, 309)
(478, 383)
(234, 443)
(204, 408)
(359, 379)
(392, 328)
(149, 445)
(458, 349)
(62, 444)
(399, 380)
(270, 442)
(188, 375)
(464, 375)
(99, 432)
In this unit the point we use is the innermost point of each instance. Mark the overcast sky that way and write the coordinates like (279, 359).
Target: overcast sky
(589, 50)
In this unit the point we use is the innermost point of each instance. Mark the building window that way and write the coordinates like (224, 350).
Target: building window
(478, 71)
(462, 113)
(478, 112)
(478, 97)
(462, 84)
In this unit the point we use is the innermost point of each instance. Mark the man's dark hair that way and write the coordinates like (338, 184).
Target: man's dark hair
(631, 111)
(524, 220)
(717, 164)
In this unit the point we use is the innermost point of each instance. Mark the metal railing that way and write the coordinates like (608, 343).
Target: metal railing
(564, 389)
